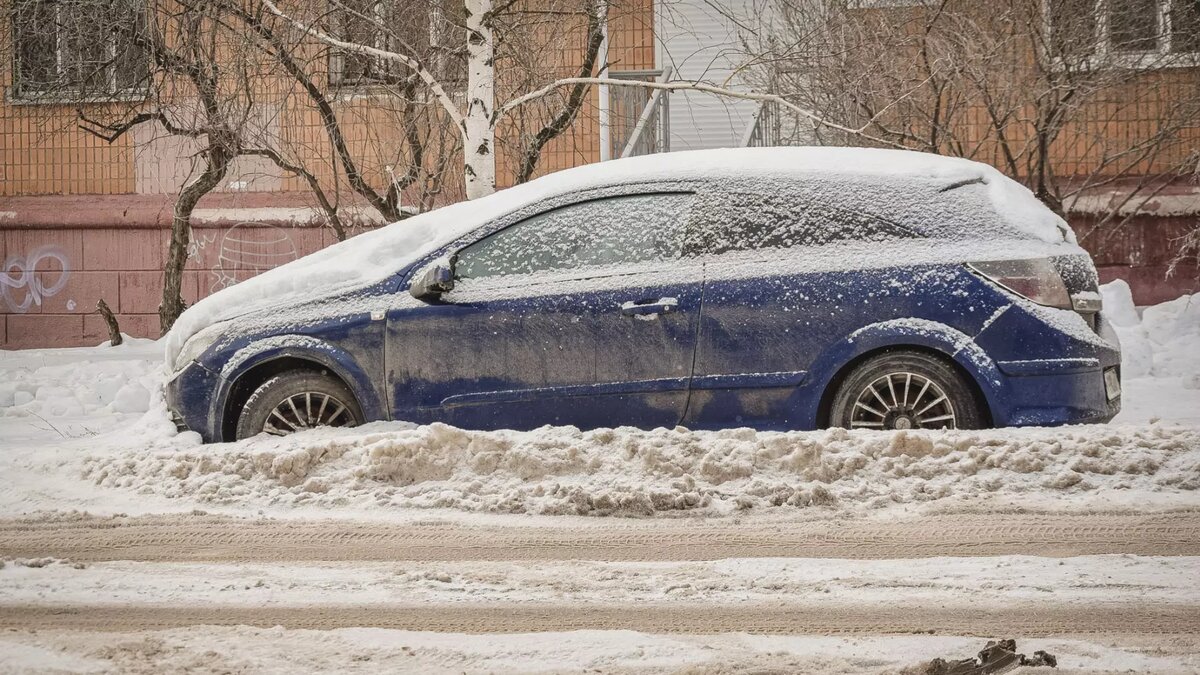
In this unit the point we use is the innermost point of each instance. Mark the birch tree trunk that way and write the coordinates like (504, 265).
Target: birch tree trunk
(479, 131)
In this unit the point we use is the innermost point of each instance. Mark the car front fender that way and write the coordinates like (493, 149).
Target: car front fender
(337, 360)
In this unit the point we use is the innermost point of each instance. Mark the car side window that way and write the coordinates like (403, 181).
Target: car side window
(607, 231)
(760, 221)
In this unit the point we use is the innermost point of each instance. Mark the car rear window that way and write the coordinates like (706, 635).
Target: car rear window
(745, 221)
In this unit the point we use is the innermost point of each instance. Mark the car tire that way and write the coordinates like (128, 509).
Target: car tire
(295, 399)
(889, 391)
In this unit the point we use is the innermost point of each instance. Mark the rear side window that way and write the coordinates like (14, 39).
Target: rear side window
(748, 222)
(608, 231)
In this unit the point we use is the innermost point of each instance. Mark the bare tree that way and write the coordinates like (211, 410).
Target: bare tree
(512, 49)
(1034, 87)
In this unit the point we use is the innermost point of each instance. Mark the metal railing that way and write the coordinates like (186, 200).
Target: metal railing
(650, 132)
(764, 128)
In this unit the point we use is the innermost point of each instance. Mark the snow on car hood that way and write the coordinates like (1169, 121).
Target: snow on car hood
(373, 256)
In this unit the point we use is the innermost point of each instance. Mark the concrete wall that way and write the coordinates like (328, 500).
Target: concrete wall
(56, 272)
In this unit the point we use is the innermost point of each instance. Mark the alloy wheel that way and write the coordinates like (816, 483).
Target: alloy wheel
(903, 400)
(307, 410)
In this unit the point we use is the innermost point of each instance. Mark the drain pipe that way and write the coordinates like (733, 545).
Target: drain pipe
(605, 110)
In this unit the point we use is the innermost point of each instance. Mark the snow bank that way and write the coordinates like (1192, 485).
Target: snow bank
(374, 256)
(1162, 342)
(625, 471)
(84, 382)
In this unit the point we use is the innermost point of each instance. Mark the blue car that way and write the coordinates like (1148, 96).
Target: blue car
(776, 289)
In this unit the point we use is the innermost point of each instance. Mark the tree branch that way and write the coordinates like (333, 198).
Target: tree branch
(574, 101)
(434, 86)
(710, 89)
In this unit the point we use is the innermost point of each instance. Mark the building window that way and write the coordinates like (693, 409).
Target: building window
(416, 28)
(1185, 26)
(1141, 32)
(75, 50)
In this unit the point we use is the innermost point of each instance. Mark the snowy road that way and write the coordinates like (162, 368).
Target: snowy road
(185, 538)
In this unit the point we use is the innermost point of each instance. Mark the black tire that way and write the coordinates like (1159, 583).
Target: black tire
(856, 406)
(277, 391)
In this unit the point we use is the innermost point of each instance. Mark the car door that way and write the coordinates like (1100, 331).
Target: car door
(583, 314)
(780, 284)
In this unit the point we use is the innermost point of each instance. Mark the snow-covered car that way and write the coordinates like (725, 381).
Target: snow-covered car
(784, 288)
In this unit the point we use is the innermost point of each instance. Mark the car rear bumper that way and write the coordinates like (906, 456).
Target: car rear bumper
(1057, 398)
(1055, 372)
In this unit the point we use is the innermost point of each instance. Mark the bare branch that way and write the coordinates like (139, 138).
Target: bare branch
(427, 77)
(696, 86)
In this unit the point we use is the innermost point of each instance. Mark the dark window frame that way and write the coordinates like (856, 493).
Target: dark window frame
(440, 49)
(61, 87)
(1163, 48)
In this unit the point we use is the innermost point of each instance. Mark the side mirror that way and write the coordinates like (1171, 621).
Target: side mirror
(433, 282)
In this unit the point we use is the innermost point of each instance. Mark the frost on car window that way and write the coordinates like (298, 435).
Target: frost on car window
(756, 220)
(614, 230)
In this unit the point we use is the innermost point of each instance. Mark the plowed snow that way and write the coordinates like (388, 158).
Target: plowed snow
(632, 472)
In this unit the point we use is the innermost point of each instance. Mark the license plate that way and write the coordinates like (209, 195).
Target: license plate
(1112, 383)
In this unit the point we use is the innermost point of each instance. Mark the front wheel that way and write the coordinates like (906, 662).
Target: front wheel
(297, 400)
(905, 390)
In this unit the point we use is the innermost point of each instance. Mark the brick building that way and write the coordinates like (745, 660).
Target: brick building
(82, 219)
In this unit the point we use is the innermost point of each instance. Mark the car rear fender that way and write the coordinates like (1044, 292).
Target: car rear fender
(838, 359)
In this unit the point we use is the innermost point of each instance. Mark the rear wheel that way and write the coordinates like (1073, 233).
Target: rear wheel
(905, 390)
(297, 400)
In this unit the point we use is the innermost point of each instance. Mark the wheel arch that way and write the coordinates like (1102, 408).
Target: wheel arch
(265, 362)
(931, 338)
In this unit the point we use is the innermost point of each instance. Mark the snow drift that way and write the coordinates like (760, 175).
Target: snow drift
(561, 470)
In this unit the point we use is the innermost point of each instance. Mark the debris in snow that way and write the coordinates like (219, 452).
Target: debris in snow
(999, 656)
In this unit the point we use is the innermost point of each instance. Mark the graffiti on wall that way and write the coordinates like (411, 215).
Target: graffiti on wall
(246, 250)
(31, 278)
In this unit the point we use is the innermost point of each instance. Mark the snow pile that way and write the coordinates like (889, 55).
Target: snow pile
(625, 471)
(85, 382)
(1163, 342)
(376, 255)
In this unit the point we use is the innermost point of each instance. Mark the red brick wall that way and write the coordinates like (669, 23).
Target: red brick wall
(1140, 252)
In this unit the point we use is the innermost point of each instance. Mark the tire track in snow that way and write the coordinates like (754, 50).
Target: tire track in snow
(1026, 620)
(186, 538)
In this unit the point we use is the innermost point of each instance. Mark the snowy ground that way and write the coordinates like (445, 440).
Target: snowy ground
(124, 544)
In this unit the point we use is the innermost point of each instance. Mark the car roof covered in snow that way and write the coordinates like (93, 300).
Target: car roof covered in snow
(919, 189)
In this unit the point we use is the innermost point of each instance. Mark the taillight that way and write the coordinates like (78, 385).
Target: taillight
(1035, 279)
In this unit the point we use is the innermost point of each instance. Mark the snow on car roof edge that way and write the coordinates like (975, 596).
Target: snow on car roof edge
(373, 256)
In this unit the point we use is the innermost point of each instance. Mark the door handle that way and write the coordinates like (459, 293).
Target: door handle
(649, 307)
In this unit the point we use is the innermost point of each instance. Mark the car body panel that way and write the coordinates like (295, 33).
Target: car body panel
(556, 350)
(757, 339)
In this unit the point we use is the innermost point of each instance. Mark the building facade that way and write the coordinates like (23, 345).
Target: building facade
(84, 219)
